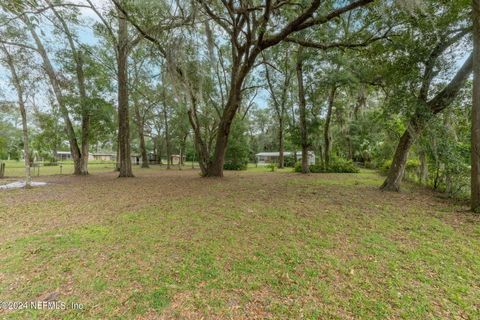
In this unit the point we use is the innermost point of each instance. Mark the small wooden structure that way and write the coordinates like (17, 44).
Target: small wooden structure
(2, 169)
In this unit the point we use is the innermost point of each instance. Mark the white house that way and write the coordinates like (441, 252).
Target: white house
(105, 156)
(272, 157)
(67, 155)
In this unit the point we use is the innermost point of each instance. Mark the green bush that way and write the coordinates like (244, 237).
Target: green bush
(337, 166)
(298, 167)
(412, 165)
(385, 167)
(271, 167)
(289, 162)
(50, 164)
(235, 165)
(343, 166)
(314, 168)
(236, 156)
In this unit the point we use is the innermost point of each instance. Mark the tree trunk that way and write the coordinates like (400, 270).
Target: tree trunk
(141, 136)
(320, 153)
(350, 147)
(397, 170)
(361, 100)
(279, 111)
(72, 139)
(123, 119)
(475, 157)
(281, 145)
(326, 130)
(448, 183)
(159, 150)
(423, 174)
(21, 103)
(78, 58)
(215, 167)
(302, 105)
(167, 136)
(183, 148)
(425, 111)
(117, 157)
(143, 150)
(240, 70)
(200, 146)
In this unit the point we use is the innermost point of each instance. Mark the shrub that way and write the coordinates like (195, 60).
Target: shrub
(235, 165)
(385, 167)
(289, 162)
(50, 164)
(271, 166)
(315, 168)
(412, 165)
(343, 166)
(337, 166)
(298, 167)
(236, 156)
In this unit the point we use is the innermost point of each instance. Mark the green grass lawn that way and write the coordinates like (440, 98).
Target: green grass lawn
(256, 244)
(16, 168)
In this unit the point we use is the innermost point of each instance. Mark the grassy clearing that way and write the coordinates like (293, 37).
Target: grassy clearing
(169, 244)
(16, 169)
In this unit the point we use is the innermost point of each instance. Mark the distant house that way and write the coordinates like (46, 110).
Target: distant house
(67, 155)
(264, 158)
(136, 159)
(104, 156)
(63, 155)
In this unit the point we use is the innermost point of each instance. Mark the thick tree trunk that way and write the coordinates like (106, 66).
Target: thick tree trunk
(123, 118)
(302, 105)
(240, 70)
(21, 103)
(397, 170)
(215, 166)
(326, 129)
(475, 160)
